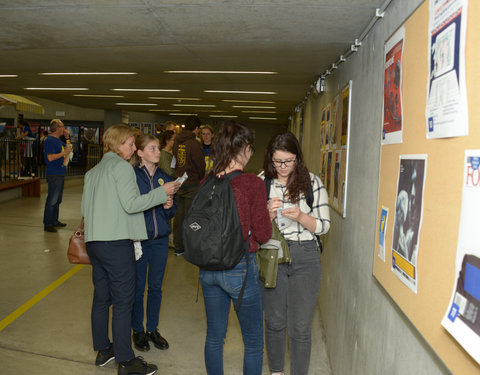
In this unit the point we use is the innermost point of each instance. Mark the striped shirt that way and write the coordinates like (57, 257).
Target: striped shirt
(320, 211)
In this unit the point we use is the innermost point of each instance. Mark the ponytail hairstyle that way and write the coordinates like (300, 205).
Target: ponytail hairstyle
(166, 136)
(141, 141)
(230, 141)
(299, 179)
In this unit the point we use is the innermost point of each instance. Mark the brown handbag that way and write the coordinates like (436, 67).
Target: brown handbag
(77, 250)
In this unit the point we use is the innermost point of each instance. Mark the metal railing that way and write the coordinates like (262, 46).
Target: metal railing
(24, 159)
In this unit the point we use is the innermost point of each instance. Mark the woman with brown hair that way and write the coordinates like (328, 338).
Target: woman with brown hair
(112, 207)
(292, 302)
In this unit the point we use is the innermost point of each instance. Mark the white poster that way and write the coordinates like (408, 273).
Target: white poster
(392, 124)
(462, 318)
(408, 218)
(446, 111)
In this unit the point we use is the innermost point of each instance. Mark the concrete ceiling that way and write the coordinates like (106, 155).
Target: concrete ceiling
(298, 39)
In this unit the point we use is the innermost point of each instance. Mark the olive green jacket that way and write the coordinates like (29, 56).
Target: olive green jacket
(112, 205)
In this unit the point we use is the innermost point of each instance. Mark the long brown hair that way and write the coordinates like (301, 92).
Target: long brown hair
(141, 141)
(231, 139)
(299, 179)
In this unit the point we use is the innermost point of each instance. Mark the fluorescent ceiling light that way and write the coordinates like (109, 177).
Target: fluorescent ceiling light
(259, 112)
(216, 72)
(152, 104)
(224, 116)
(164, 110)
(149, 90)
(247, 101)
(262, 118)
(87, 74)
(253, 106)
(58, 88)
(8, 75)
(194, 105)
(99, 96)
(166, 98)
(241, 92)
(182, 114)
(211, 110)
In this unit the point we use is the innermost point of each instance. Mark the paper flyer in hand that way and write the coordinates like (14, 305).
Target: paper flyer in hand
(182, 178)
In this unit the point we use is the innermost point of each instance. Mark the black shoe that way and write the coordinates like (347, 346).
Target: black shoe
(157, 340)
(50, 228)
(105, 356)
(60, 224)
(136, 366)
(140, 341)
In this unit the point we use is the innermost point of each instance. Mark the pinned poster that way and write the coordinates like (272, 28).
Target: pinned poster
(408, 218)
(381, 231)
(462, 318)
(446, 111)
(392, 125)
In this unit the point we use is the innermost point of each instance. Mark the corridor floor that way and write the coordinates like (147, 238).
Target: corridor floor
(45, 304)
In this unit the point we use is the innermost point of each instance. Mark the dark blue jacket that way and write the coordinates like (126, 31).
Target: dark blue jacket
(157, 219)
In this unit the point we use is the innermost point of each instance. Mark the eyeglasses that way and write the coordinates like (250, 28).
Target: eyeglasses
(286, 163)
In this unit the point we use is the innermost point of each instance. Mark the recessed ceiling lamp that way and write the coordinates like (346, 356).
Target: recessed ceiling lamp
(145, 104)
(148, 90)
(182, 114)
(164, 110)
(8, 75)
(166, 98)
(253, 106)
(247, 101)
(87, 74)
(241, 92)
(99, 96)
(259, 112)
(216, 72)
(194, 105)
(224, 116)
(262, 118)
(58, 88)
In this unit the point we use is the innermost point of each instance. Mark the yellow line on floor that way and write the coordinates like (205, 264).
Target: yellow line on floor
(22, 309)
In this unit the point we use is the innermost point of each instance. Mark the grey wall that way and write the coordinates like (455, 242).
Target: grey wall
(366, 334)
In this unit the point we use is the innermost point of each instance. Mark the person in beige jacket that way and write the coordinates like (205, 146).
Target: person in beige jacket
(112, 207)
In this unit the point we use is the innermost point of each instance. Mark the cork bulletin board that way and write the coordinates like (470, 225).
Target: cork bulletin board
(437, 166)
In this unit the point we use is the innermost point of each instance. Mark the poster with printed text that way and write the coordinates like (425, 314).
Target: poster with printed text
(392, 126)
(462, 317)
(446, 111)
(408, 218)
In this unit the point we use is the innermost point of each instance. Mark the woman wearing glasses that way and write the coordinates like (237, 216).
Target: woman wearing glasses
(292, 302)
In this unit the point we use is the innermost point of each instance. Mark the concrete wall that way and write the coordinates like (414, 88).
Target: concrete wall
(366, 334)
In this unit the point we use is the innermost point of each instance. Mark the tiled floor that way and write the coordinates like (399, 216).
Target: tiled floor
(52, 336)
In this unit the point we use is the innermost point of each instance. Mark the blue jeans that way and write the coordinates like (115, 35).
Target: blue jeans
(54, 198)
(219, 288)
(292, 303)
(113, 274)
(154, 257)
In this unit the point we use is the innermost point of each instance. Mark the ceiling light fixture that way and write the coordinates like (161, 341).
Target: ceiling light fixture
(58, 88)
(164, 110)
(194, 105)
(254, 106)
(248, 101)
(166, 98)
(182, 114)
(8, 75)
(241, 92)
(148, 90)
(86, 73)
(146, 104)
(262, 118)
(259, 112)
(99, 96)
(224, 116)
(217, 72)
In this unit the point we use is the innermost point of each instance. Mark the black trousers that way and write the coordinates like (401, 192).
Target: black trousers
(113, 274)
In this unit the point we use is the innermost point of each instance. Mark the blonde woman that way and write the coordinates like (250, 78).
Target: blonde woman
(113, 210)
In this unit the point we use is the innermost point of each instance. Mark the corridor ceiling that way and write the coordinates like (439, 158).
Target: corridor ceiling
(297, 39)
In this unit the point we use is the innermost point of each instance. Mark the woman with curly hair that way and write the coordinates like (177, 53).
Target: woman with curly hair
(292, 302)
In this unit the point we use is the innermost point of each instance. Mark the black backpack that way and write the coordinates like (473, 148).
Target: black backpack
(308, 198)
(212, 231)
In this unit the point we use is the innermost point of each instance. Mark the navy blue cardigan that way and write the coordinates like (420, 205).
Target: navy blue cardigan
(157, 219)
